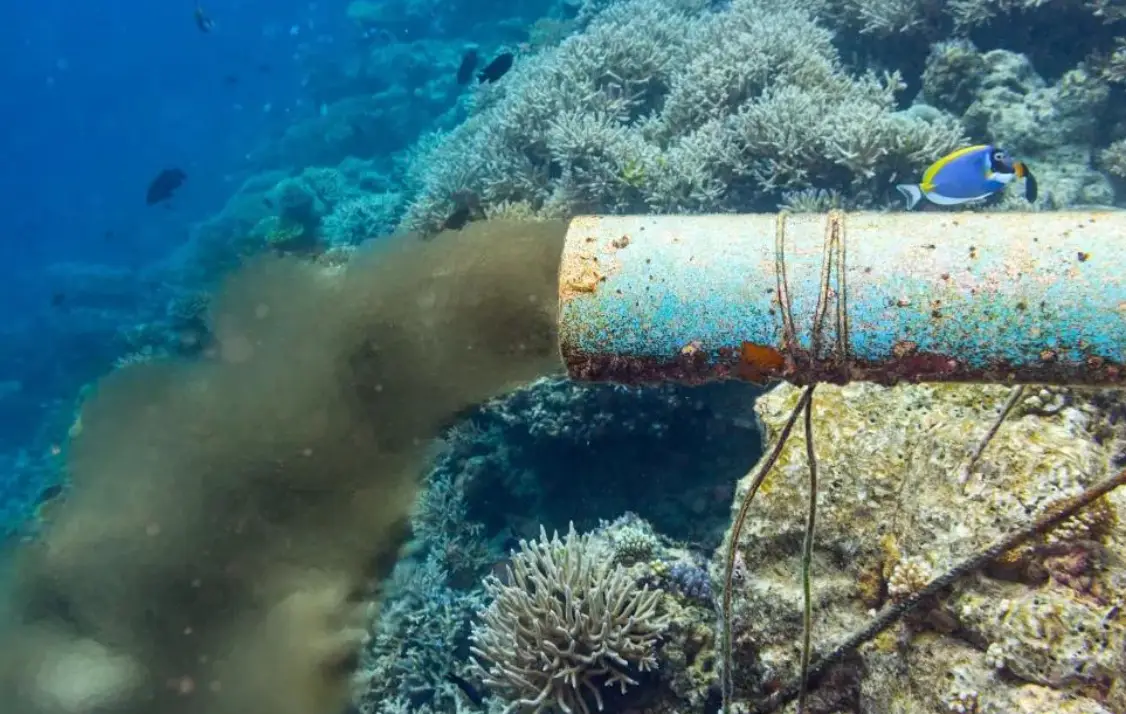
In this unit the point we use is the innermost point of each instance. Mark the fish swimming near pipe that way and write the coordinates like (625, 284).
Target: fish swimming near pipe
(473, 694)
(468, 64)
(496, 69)
(164, 185)
(969, 174)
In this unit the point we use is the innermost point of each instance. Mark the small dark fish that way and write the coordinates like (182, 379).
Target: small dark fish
(269, 202)
(500, 570)
(1031, 186)
(164, 185)
(50, 493)
(230, 80)
(457, 219)
(202, 21)
(58, 299)
(466, 208)
(468, 64)
(470, 691)
(50, 498)
(497, 68)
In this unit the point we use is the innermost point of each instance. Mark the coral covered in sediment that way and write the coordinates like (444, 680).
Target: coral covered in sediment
(422, 632)
(1041, 626)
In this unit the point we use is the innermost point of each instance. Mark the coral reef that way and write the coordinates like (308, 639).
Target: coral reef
(615, 106)
(1000, 96)
(555, 451)
(929, 17)
(953, 75)
(1040, 625)
(676, 106)
(691, 581)
(565, 623)
(421, 593)
(441, 524)
(311, 211)
(1113, 158)
(419, 640)
(633, 543)
(356, 220)
(1015, 106)
(679, 105)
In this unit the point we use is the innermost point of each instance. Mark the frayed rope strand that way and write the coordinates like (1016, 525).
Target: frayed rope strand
(726, 680)
(807, 559)
(1014, 396)
(1055, 514)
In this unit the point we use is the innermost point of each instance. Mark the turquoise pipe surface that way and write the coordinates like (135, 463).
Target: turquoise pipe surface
(883, 297)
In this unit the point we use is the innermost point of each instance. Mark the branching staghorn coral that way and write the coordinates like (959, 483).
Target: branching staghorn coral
(567, 618)
(894, 17)
(441, 524)
(415, 644)
(677, 105)
(884, 17)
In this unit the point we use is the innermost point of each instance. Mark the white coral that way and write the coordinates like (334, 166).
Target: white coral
(676, 105)
(564, 620)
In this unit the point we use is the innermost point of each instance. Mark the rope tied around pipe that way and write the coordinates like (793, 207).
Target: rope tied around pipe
(879, 297)
(832, 288)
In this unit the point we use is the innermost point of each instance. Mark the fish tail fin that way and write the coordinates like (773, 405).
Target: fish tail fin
(1031, 187)
(911, 192)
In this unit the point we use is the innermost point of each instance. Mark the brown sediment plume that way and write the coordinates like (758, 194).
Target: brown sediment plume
(229, 517)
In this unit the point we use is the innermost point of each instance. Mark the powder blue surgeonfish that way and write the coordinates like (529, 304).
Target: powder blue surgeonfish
(968, 174)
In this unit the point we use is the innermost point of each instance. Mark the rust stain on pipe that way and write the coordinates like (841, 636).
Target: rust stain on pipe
(891, 297)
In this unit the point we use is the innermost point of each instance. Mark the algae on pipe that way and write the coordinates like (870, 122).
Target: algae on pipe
(1013, 297)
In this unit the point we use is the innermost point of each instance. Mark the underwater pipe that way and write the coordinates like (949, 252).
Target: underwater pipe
(882, 297)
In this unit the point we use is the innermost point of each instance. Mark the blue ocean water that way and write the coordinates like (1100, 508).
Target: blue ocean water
(97, 101)
(320, 133)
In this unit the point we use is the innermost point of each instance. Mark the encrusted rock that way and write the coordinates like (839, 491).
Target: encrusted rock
(1044, 625)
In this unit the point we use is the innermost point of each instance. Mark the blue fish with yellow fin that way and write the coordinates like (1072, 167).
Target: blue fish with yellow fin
(969, 174)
